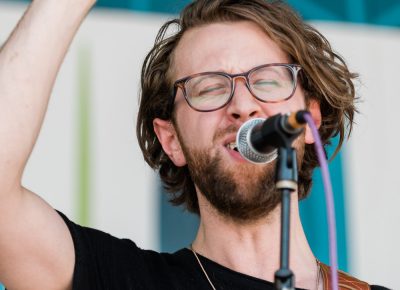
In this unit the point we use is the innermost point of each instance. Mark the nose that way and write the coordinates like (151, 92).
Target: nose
(243, 104)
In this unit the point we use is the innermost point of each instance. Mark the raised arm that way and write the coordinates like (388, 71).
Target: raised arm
(36, 250)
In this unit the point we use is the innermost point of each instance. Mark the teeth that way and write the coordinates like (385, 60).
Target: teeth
(231, 145)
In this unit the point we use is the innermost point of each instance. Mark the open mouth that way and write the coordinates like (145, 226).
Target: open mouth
(232, 146)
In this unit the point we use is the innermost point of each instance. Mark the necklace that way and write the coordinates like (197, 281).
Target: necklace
(202, 268)
(213, 287)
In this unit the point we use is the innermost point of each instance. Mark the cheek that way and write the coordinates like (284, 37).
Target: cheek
(295, 103)
(197, 129)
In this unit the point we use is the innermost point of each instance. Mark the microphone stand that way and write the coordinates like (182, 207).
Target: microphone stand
(279, 132)
(286, 182)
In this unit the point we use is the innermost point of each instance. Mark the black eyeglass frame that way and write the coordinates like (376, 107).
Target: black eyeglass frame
(294, 68)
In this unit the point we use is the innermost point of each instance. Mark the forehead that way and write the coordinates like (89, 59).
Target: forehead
(232, 47)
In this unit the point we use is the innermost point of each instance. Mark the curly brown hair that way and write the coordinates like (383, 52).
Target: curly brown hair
(324, 78)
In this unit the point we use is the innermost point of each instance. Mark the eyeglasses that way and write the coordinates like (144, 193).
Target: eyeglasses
(210, 91)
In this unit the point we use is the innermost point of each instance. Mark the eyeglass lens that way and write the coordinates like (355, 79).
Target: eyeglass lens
(212, 91)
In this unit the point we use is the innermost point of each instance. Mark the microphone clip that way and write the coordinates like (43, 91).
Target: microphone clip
(281, 129)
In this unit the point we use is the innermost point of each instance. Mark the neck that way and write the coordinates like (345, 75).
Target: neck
(254, 248)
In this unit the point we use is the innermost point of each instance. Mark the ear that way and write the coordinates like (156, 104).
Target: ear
(168, 138)
(315, 111)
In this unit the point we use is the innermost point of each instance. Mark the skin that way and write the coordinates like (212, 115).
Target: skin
(36, 248)
(235, 48)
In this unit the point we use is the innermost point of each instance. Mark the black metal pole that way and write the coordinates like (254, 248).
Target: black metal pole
(285, 228)
(286, 182)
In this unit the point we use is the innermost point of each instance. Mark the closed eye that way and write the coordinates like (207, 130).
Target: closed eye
(212, 90)
(266, 83)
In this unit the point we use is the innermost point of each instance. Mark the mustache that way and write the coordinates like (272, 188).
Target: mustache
(225, 131)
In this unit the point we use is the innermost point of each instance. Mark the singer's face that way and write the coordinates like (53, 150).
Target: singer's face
(233, 47)
(232, 184)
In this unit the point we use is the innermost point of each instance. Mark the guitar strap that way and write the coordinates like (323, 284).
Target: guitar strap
(346, 282)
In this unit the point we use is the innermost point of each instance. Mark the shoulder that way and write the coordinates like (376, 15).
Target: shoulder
(103, 261)
(101, 258)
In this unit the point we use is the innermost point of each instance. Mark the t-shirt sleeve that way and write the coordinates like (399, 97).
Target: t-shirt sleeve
(103, 261)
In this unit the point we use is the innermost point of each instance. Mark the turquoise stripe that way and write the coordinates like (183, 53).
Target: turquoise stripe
(313, 214)
(383, 12)
(177, 227)
(359, 11)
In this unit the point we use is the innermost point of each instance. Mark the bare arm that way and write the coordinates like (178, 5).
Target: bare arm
(36, 250)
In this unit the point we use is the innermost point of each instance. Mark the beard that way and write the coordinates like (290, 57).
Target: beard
(245, 192)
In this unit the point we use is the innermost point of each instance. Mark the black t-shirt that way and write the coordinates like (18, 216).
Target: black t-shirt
(105, 262)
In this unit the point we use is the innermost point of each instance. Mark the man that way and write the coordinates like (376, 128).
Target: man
(230, 61)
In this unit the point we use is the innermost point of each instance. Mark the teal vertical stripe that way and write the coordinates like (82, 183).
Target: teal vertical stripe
(83, 136)
(178, 227)
(314, 218)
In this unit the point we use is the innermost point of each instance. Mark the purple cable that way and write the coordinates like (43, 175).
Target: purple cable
(330, 206)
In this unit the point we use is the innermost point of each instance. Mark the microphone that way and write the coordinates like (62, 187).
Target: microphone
(258, 139)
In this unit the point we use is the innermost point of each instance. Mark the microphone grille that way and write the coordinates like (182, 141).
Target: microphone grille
(244, 145)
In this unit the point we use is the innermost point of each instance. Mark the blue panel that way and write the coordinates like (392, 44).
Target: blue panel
(310, 10)
(178, 228)
(171, 6)
(356, 11)
(123, 4)
(383, 12)
(390, 17)
(335, 7)
(376, 9)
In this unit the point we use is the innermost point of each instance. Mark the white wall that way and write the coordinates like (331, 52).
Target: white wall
(124, 198)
